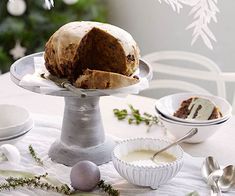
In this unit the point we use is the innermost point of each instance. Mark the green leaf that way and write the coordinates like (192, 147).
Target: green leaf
(53, 181)
(15, 174)
(22, 174)
(135, 117)
(194, 193)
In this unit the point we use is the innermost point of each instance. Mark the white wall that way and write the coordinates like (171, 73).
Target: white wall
(156, 27)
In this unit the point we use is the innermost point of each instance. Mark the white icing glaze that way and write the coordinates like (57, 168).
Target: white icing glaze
(204, 113)
(148, 163)
(70, 33)
(144, 158)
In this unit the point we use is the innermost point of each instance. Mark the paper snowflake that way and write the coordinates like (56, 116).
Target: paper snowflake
(203, 12)
(49, 4)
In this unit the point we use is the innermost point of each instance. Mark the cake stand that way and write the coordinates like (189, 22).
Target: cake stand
(82, 136)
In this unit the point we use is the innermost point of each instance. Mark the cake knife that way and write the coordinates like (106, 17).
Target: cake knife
(64, 83)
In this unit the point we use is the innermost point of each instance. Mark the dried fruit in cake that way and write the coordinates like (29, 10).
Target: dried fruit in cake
(198, 108)
(78, 46)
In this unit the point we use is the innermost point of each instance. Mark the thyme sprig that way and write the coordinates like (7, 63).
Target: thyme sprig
(34, 182)
(194, 193)
(135, 117)
(38, 182)
(34, 155)
(107, 188)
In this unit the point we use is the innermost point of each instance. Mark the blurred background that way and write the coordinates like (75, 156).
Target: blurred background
(155, 26)
(26, 25)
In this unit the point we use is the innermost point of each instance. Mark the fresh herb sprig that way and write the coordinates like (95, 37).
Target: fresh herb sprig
(194, 193)
(34, 155)
(34, 182)
(107, 188)
(135, 117)
(38, 182)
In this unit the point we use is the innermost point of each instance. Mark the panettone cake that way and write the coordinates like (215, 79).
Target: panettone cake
(92, 55)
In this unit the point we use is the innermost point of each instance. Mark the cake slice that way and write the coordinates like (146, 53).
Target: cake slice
(96, 79)
(198, 108)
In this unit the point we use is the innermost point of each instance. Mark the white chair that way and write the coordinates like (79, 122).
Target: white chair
(185, 71)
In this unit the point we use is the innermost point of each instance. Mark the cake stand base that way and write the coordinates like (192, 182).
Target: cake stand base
(70, 155)
(82, 135)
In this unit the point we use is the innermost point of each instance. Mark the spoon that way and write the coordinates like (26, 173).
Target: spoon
(188, 135)
(64, 83)
(209, 166)
(227, 180)
(213, 181)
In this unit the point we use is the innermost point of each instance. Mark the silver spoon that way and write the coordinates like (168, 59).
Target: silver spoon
(209, 166)
(213, 181)
(227, 180)
(188, 135)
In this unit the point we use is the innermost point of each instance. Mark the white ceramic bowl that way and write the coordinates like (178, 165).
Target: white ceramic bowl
(179, 129)
(152, 176)
(192, 123)
(14, 120)
(169, 104)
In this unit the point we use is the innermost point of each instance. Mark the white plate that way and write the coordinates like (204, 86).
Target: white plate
(25, 65)
(14, 138)
(14, 120)
(192, 124)
(169, 104)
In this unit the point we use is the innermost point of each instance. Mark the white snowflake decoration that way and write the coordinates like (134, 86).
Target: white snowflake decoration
(49, 4)
(18, 51)
(203, 11)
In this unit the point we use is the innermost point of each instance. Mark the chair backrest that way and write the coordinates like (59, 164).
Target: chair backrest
(185, 71)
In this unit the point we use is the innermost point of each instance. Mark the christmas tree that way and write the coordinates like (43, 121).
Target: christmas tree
(26, 25)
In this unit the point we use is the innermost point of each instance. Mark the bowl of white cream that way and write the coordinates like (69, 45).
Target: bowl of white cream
(132, 158)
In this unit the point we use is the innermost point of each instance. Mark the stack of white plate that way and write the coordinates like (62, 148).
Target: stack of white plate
(15, 122)
(168, 105)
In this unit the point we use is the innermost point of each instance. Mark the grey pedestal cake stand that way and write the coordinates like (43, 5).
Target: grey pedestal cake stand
(82, 135)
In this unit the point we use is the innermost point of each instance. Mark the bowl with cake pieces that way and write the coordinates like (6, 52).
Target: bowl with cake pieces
(182, 111)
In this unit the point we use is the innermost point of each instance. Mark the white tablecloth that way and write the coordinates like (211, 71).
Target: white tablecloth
(221, 145)
(47, 129)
